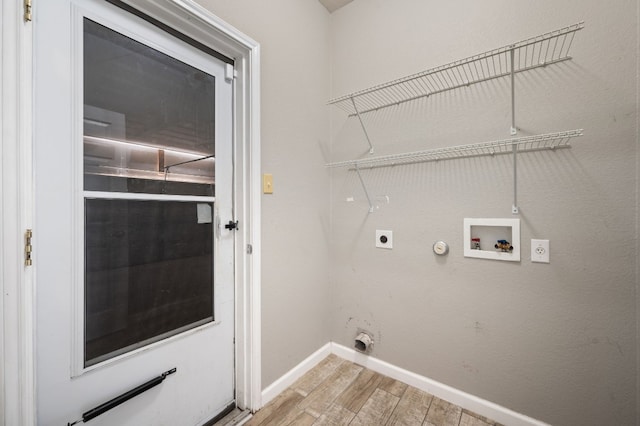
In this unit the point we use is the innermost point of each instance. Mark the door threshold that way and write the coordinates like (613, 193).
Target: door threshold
(233, 417)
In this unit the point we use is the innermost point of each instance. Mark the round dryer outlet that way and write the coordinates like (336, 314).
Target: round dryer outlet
(440, 248)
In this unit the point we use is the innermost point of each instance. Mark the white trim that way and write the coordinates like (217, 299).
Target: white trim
(253, 276)
(146, 196)
(289, 378)
(16, 195)
(473, 403)
(465, 400)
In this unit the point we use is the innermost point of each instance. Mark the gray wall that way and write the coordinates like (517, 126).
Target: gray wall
(554, 341)
(557, 342)
(294, 41)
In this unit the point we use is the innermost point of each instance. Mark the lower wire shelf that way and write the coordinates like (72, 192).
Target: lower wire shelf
(548, 141)
(514, 146)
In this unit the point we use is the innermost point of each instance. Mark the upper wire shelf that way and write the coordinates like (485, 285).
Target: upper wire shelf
(539, 51)
(548, 141)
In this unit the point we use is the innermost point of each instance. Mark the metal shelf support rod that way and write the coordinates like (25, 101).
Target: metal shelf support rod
(364, 188)
(514, 130)
(514, 206)
(364, 128)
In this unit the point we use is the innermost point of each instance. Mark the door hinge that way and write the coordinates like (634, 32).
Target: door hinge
(249, 249)
(27, 11)
(28, 248)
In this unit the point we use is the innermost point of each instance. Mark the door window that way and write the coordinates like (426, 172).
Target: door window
(149, 186)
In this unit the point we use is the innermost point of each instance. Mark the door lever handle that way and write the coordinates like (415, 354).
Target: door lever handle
(231, 225)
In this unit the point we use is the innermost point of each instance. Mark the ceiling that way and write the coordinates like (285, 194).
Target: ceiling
(333, 5)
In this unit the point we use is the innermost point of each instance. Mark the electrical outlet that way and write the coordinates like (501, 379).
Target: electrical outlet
(540, 251)
(384, 239)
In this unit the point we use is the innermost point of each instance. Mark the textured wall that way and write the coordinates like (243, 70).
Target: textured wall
(295, 63)
(553, 341)
(556, 342)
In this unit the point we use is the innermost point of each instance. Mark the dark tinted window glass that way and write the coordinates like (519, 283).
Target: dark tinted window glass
(148, 272)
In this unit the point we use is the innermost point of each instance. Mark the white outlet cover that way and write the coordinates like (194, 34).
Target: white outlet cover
(540, 251)
(384, 239)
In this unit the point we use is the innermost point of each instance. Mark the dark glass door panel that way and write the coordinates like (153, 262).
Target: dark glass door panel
(148, 272)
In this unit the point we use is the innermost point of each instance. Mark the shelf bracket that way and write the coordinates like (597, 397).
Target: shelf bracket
(514, 206)
(364, 128)
(364, 188)
(514, 129)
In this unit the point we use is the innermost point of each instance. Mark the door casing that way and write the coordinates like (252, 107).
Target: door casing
(17, 333)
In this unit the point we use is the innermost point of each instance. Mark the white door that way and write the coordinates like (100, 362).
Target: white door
(134, 266)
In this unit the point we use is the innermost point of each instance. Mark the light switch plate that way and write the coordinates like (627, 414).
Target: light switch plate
(384, 239)
(267, 183)
(540, 251)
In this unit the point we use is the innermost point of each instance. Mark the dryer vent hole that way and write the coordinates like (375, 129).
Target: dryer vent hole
(363, 342)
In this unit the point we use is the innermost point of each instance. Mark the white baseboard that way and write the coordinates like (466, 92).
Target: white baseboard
(465, 400)
(470, 402)
(277, 387)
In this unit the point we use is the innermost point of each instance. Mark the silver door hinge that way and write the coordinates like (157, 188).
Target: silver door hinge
(27, 11)
(249, 249)
(28, 247)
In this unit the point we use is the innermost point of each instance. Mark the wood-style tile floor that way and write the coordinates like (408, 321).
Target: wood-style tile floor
(339, 392)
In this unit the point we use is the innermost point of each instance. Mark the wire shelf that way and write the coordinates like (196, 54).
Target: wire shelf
(548, 141)
(539, 51)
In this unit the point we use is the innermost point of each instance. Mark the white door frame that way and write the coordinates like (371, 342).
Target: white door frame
(16, 197)
(17, 333)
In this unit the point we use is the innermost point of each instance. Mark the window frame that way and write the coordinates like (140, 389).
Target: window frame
(148, 35)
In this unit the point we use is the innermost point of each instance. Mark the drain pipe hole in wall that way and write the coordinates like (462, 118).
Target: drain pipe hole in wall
(363, 342)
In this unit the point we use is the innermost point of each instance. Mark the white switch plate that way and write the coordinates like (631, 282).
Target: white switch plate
(540, 251)
(384, 239)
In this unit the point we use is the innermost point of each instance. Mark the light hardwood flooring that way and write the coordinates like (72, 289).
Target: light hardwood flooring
(339, 392)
